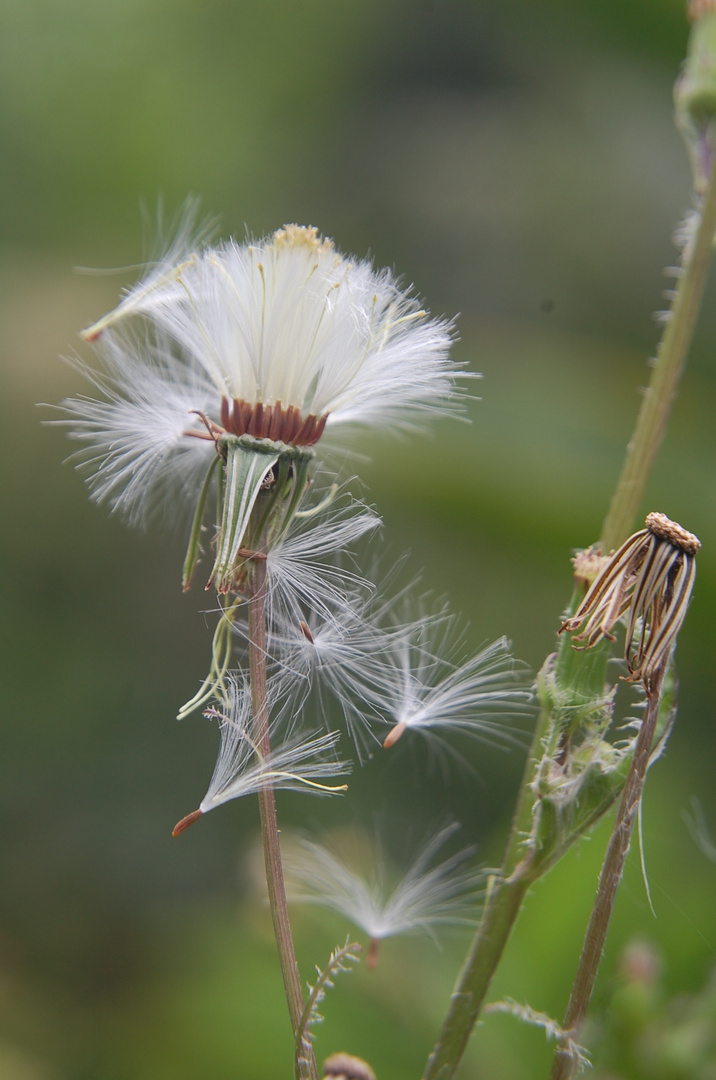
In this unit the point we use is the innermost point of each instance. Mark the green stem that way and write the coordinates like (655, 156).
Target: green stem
(659, 396)
(267, 806)
(578, 678)
(565, 1063)
(499, 916)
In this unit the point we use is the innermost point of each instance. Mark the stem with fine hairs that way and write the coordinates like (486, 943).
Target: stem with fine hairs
(267, 807)
(498, 918)
(565, 1064)
(659, 396)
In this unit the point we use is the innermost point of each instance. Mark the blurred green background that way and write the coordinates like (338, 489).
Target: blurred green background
(517, 161)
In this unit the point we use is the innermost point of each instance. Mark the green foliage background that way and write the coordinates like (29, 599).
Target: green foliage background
(516, 161)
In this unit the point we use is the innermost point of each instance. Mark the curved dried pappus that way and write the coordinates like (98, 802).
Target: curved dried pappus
(649, 579)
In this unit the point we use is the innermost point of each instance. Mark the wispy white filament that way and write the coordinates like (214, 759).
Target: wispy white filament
(306, 568)
(296, 764)
(339, 656)
(424, 897)
(137, 450)
(426, 693)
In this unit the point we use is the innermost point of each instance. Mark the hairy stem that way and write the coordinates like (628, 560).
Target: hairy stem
(565, 1064)
(660, 394)
(501, 911)
(577, 678)
(469, 995)
(267, 806)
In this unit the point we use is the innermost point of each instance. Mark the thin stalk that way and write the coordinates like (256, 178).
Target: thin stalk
(267, 806)
(659, 396)
(565, 1064)
(501, 911)
(467, 999)
(583, 675)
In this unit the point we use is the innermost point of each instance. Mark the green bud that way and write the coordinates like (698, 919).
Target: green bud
(695, 98)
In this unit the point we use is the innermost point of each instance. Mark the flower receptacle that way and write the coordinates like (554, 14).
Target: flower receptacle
(252, 466)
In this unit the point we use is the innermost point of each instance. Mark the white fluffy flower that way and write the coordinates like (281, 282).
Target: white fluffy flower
(425, 895)
(276, 340)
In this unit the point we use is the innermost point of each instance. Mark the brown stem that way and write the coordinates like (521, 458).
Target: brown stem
(565, 1063)
(267, 807)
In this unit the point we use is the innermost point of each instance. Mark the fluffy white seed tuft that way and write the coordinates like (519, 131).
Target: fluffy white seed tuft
(424, 896)
(296, 763)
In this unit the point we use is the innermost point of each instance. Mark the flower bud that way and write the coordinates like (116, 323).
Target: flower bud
(695, 92)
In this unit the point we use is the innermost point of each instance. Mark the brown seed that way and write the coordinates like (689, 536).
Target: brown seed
(186, 822)
(393, 735)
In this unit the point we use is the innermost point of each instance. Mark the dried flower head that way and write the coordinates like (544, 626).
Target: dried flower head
(649, 580)
(346, 1067)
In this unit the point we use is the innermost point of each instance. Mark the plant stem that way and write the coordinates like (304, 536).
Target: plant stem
(569, 681)
(467, 999)
(501, 911)
(659, 397)
(267, 806)
(565, 1063)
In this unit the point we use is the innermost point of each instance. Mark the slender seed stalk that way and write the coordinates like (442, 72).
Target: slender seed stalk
(267, 807)
(660, 395)
(564, 1065)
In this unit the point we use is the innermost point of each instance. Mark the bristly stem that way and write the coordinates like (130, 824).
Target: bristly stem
(267, 806)
(660, 394)
(565, 1064)
(499, 916)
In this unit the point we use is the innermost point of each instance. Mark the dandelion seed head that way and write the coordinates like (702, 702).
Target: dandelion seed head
(275, 339)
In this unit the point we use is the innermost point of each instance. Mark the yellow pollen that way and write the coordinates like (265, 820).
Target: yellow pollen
(294, 236)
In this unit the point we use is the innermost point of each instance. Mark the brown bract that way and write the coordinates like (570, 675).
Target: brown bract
(271, 422)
